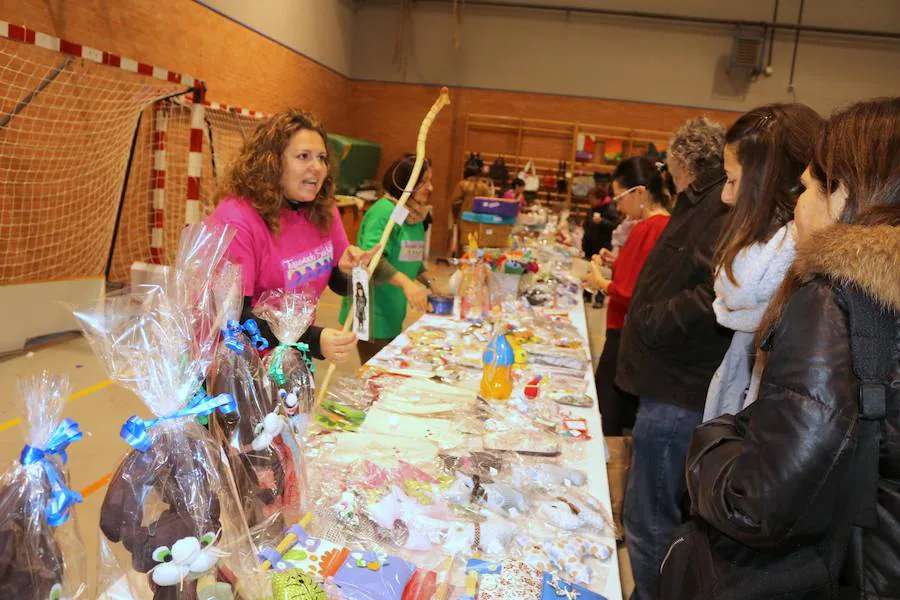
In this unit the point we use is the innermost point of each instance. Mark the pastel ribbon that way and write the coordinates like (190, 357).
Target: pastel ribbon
(276, 371)
(62, 498)
(233, 330)
(136, 431)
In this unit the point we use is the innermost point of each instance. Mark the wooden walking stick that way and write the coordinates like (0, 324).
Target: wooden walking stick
(442, 101)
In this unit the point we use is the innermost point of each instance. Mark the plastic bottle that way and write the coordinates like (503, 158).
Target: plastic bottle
(496, 378)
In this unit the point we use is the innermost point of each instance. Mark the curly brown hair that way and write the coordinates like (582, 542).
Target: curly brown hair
(256, 172)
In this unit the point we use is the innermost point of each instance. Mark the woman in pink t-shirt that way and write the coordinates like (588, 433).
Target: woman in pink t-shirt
(278, 197)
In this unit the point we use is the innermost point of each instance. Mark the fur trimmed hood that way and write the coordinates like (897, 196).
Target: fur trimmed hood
(867, 257)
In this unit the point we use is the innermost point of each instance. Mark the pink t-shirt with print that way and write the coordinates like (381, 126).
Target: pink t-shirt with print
(298, 257)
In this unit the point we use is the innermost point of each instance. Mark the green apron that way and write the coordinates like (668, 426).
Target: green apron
(405, 251)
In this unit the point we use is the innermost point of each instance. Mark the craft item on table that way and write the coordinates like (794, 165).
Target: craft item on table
(498, 497)
(423, 355)
(556, 589)
(422, 586)
(519, 352)
(440, 305)
(506, 580)
(294, 584)
(313, 556)
(490, 536)
(264, 454)
(482, 463)
(567, 555)
(474, 299)
(572, 513)
(568, 359)
(384, 448)
(533, 387)
(424, 397)
(443, 432)
(369, 575)
(496, 379)
(576, 428)
(426, 526)
(374, 476)
(547, 475)
(337, 417)
(173, 490)
(289, 314)
(41, 555)
(358, 574)
(526, 443)
(571, 399)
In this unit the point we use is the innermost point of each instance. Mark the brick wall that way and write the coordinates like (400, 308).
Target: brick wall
(240, 67)
(245, 69)
(390, 113)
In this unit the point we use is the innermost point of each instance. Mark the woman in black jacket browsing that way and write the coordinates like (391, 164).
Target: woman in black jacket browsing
(772, 477)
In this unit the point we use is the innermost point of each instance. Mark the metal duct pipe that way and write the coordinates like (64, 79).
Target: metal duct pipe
(765, 26)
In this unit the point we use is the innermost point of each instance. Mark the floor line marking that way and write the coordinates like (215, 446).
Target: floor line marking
(99, 484)
(79, 394)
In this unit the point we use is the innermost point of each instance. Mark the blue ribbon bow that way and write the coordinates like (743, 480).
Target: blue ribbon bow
(232, 334)
(252, 329)
(136, 431)
(62, 498)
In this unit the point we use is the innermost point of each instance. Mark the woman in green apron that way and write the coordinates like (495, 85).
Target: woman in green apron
(404, 253)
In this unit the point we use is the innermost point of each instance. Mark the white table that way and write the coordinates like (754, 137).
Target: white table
(594, 455)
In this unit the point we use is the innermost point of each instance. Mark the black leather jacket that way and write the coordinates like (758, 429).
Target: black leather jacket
(771, 476)
(671, 343)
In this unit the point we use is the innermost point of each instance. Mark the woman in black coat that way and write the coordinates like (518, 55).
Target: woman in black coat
(772, 477)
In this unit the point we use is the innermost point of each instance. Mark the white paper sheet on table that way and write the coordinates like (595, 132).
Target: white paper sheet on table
(445, 433)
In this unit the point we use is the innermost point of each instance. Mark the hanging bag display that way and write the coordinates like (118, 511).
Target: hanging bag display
(499, 172)
(549, 181)
(529, 175)
(473, 165)
(562, 184)
(584, 150)
(582, 185)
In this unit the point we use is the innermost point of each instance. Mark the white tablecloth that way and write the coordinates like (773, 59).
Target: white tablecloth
(593, 454)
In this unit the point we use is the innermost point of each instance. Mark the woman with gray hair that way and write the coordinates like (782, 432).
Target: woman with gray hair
(671, 346)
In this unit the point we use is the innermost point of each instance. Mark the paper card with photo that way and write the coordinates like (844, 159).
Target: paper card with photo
(361, 303)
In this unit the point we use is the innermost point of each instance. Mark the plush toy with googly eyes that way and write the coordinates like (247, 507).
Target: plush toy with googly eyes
(267, 430)
(188, 558)
(159, 497)
(290, 402)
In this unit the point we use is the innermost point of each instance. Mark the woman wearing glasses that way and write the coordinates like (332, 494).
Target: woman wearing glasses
(640, 194)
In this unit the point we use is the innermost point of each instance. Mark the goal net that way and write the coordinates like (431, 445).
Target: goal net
(66, 129)
(163, 147)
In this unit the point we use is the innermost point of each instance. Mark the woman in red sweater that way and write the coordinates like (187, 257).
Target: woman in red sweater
(640, 193)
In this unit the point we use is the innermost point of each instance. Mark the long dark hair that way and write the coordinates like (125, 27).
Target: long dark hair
(858, 147)
(774, 144)
(640, 170)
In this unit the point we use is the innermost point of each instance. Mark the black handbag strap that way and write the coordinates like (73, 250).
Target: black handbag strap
(873, 339)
